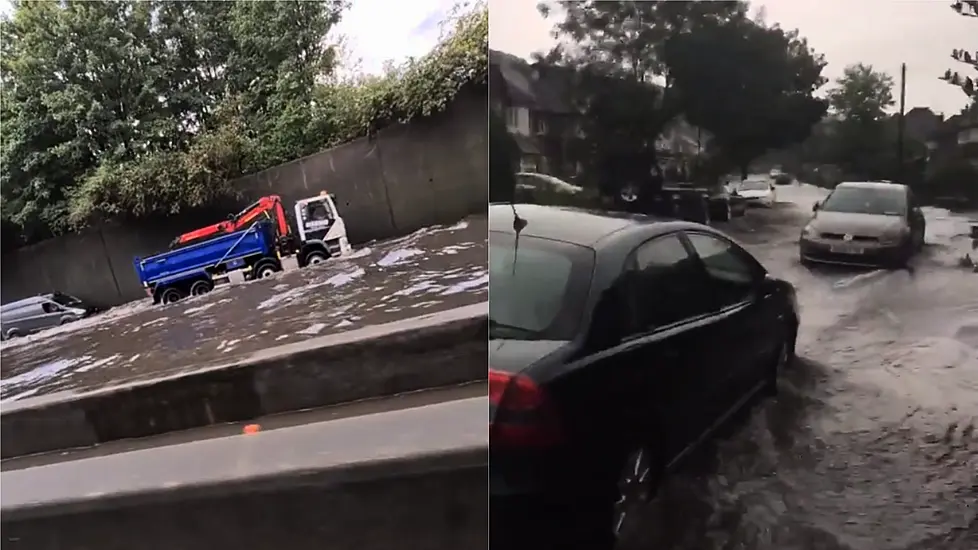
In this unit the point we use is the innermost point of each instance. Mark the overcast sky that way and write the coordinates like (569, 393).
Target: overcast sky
(382, 30)
(883, 33)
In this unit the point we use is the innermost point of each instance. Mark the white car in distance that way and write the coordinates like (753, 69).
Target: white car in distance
(760, 192)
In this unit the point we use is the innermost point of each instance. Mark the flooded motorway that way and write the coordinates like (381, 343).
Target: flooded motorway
(872, 441)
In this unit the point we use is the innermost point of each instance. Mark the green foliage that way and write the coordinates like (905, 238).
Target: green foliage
(862, 95)
(619, 61)
(862, 140)
(968, 84)
(137, 108)
(749, 85)
(421, 87)
(644, 64)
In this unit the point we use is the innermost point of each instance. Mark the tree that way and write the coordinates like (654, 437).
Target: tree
(750, 86)
(132, 109)
(966, 8)
(504, 160)
(859, 102)
(624, 86)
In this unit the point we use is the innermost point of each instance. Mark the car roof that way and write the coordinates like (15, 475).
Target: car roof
(578, 226)
(872, 185)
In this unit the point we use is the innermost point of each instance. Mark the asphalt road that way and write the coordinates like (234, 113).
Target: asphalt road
(871, 444)
(430, 270)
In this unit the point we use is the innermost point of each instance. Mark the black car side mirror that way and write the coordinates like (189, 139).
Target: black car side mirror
(815, 206)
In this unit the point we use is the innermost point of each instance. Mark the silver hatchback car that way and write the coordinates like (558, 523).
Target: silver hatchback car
(864, 223)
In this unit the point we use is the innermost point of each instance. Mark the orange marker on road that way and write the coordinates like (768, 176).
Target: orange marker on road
(251, 429)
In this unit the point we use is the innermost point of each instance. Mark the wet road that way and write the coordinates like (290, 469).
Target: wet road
(431, 270)
(872, 442)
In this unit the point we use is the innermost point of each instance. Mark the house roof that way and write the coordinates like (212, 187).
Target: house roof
(541, 87)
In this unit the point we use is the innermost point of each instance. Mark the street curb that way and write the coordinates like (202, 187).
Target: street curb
(440, 349)
(442, 501)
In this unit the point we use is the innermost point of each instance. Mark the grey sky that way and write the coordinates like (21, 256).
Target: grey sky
(883, 33)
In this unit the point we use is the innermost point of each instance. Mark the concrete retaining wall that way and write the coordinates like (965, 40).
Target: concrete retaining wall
(442, 349)
(428, 172)
(414, 478)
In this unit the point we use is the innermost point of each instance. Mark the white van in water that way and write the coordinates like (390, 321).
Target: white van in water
(31, 315)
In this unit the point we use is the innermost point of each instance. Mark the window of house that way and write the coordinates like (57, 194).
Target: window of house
(512, 117)
(540, 125)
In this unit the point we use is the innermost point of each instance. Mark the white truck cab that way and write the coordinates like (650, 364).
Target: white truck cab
(322, 233)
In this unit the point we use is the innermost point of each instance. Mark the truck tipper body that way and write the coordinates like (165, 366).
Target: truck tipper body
(191, 270)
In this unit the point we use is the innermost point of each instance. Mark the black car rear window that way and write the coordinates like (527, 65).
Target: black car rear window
(538, 289)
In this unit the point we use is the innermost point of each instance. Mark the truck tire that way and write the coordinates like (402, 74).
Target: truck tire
(265, 269)
(316, 257)
(13, 333)
(171, 295)
(200, 287)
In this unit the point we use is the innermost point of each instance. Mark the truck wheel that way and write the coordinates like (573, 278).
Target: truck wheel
(201, 287)
(170, 296)
(265, 270)
(13, 333)
(315, 257)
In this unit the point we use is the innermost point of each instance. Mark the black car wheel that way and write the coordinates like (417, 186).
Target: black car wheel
(634, 487)
(781, 361)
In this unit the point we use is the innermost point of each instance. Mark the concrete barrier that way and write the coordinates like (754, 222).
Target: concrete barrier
(440, 349)
(411, 478)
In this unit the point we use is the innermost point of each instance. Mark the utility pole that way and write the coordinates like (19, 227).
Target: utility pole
(900, 120)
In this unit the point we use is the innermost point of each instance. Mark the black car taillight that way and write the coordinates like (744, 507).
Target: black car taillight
(520, 413)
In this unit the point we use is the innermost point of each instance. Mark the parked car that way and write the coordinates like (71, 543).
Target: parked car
(618, 344)
(758, 192)
(532, 181)
(864, 223)
(718, 204)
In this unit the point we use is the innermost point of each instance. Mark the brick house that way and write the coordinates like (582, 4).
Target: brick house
(535, 100)
(955, 138)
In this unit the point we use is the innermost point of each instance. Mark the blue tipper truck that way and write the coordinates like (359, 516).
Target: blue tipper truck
(192, 270)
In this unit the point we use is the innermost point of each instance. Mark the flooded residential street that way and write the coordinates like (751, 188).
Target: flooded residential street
(430, 270)
(872, 442)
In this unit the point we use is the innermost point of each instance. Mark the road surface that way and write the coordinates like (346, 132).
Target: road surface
(430, 270)
(872, 443)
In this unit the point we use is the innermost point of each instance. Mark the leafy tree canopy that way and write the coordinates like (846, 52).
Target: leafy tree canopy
(623, 84)
(646, 63)
(968, 84)
(116, 109)
(862, 144)
(749, 85)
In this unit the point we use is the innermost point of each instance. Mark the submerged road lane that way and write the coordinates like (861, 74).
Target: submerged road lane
(871, 444)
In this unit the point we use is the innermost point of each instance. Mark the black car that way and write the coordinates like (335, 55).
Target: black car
(618, 343)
